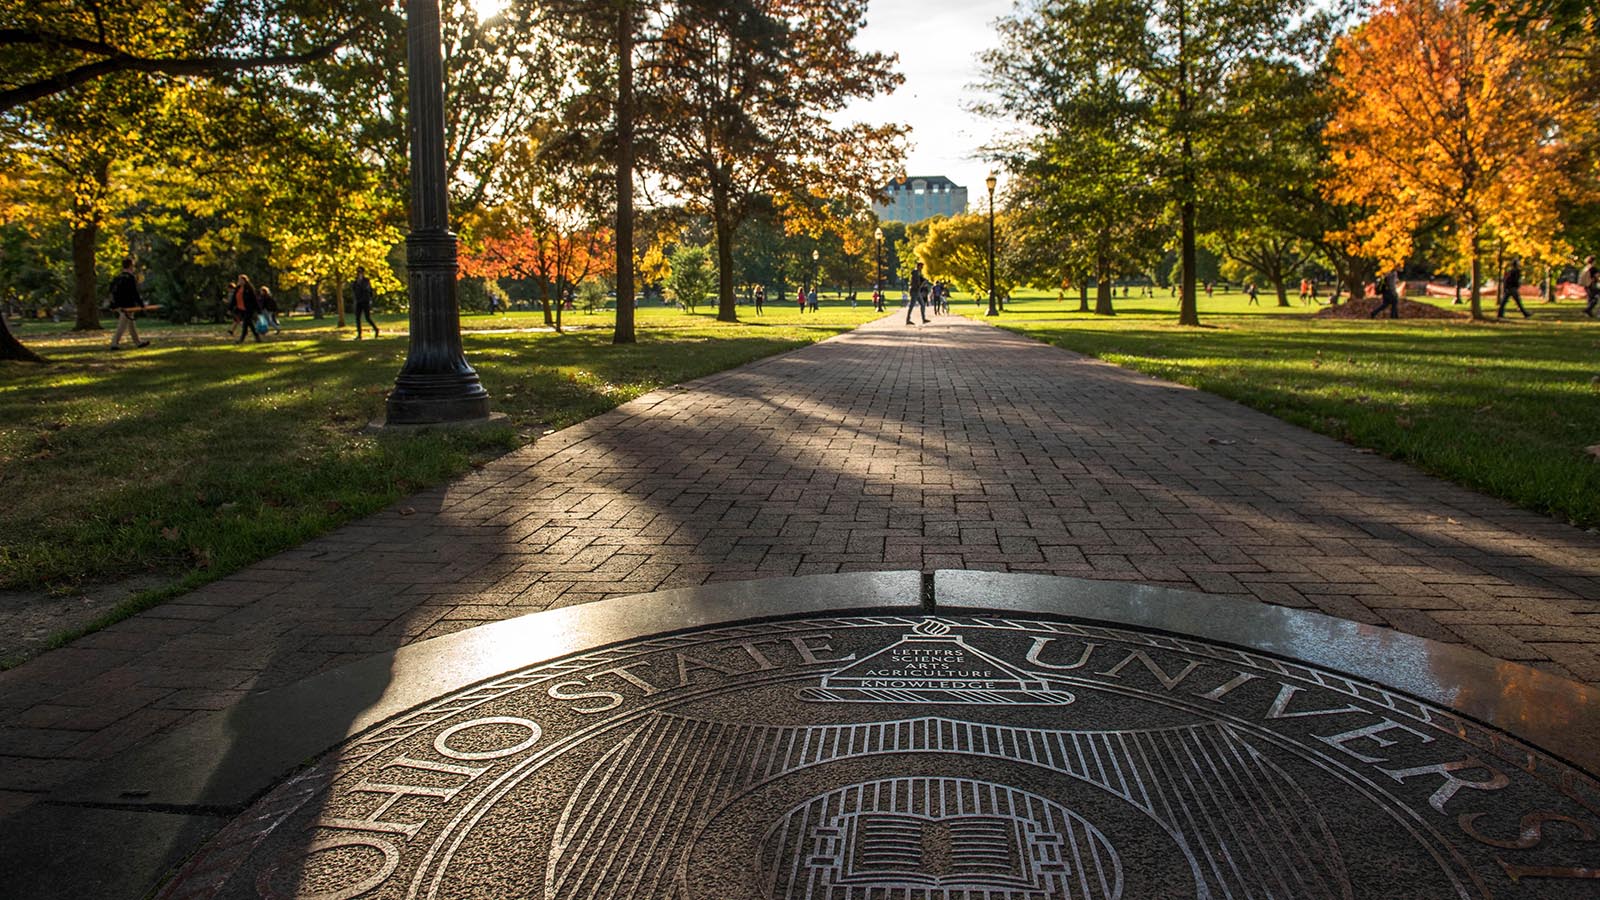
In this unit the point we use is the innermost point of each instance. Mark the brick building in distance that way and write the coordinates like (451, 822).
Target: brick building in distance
(920, 197)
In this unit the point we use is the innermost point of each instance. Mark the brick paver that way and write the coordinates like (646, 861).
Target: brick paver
(954, 445)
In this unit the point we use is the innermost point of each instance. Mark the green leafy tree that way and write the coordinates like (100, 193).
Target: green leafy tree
(53, 47)
(693, 277)
(745, 95)
(1171, 69)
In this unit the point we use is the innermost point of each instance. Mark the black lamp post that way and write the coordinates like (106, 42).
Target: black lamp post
(878, 273)
(436, 385)
(816, 274)
(990, 182)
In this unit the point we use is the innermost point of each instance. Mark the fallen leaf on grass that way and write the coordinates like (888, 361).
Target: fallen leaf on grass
(170, 534)
(1402, 422)
(1593, 450)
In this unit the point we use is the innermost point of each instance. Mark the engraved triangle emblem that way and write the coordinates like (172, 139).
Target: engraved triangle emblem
(934, 665)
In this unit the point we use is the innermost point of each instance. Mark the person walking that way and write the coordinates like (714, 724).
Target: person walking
(814, 298)
(1255, 298)
(1589, 280)
(126, 301)
(919, 294)
(1390, 295)
(361, 290)
(801, 299)
(246, 305)
(1511, 289)
(760, 298)
(269, 306)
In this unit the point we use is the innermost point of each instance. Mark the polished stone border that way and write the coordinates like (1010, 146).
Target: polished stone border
(1558, 716)
(116, 832)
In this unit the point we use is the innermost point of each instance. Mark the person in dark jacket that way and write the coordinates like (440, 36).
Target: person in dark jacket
(126, 301)
(246, 305)
(270, 307)
(919, 294)
(361, 290)
(1511, 289)
(1391, 297)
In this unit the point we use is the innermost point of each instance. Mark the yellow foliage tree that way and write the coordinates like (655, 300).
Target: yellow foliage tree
(1439, 117)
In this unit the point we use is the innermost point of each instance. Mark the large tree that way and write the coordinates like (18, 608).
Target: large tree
(1175, 65)
(1442, 120)
(55, 46)
(744, 96)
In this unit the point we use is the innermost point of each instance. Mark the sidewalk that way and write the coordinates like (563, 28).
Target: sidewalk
(952, 445)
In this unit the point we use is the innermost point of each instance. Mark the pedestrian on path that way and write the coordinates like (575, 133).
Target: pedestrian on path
(126, 301)
(1511, 289)
(1589, 280)
(269, 307)
(361, 290)
(246, 305)
(1391, 296)
(918, 298)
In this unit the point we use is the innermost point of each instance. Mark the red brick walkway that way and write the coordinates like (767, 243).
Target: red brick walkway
(948, 446)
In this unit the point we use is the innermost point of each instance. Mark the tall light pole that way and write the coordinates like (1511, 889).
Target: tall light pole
(878, 273)
(990, 182)
(435, 385)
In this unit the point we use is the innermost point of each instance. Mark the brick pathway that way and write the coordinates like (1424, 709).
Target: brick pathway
(954, 445)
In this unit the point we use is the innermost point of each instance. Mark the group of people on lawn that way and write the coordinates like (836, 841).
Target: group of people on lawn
(1388, 290)
(252, 310)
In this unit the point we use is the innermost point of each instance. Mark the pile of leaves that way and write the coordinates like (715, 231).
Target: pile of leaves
(1362, 307)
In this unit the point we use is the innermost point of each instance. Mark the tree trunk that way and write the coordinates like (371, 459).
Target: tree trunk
(624, 329)
(1283, 293)
(338, 296)
(1188, 308)
(316, 299)
(1083, 295)
(11, 348)
(727, 308)
(1475, 297)
(1102, 288)
(84, 295)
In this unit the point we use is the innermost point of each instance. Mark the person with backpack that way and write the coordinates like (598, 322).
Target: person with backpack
(361, 291)
(1589, 280)
(1511, 289)
(246, 305)
(126, 301)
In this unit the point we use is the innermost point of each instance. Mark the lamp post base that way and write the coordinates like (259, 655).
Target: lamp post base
(437, 399)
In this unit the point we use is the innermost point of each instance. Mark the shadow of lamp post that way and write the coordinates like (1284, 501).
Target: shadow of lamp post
(436, 385)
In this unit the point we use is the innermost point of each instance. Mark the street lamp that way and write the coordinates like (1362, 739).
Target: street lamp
(878, 274)
(816, 270)
(990, 182)
(435, 385)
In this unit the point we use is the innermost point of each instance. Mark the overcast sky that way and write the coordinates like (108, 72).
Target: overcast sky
(938, 42)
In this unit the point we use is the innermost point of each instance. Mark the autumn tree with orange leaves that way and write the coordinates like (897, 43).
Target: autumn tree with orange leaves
(1441, 121)
(544, 221)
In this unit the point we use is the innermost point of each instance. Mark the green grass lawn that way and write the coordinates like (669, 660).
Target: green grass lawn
(1504, 407)
(194, 457)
